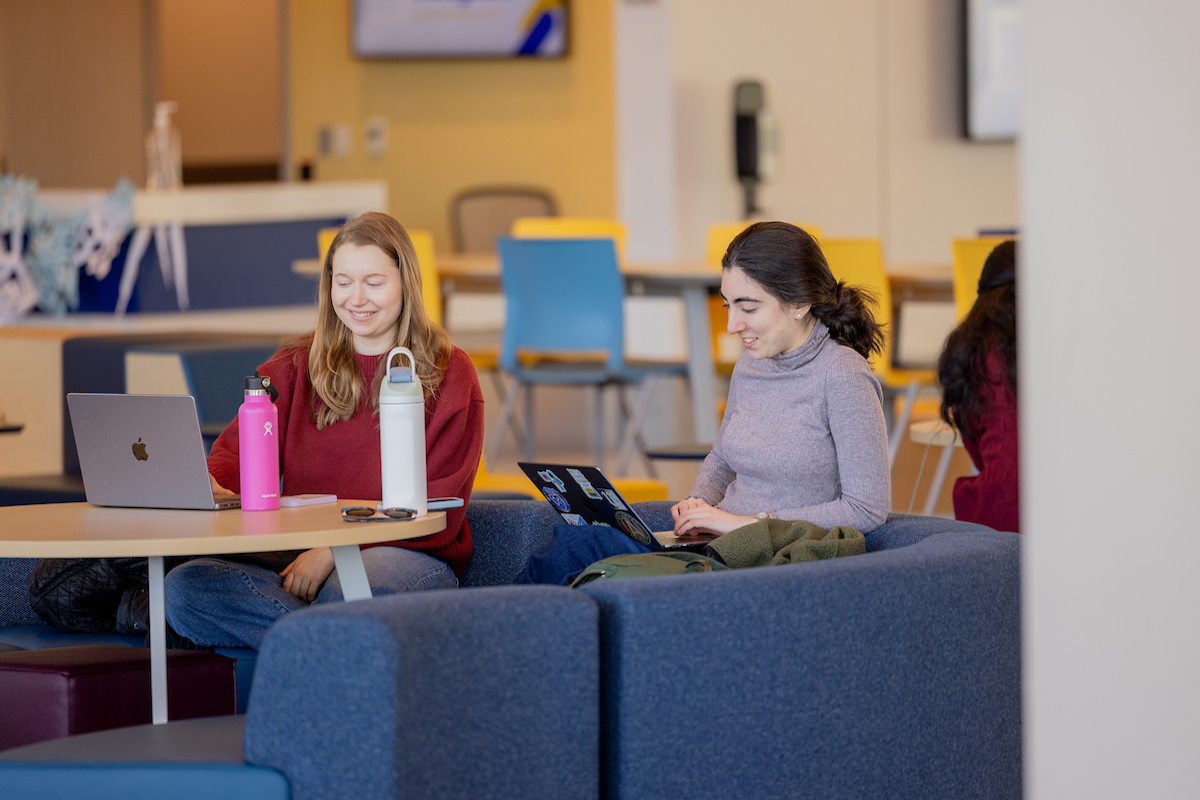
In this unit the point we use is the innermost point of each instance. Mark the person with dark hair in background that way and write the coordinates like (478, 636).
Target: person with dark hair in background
(978, 373)
(803, 437)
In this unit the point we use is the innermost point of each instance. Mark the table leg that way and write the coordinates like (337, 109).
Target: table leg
(939, 477)
(701, 367)
(158, 642)
(353, 575)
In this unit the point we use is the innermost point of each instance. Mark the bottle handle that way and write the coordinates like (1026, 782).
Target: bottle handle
(400, 374)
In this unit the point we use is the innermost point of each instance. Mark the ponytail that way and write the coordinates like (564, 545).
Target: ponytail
(848, 315)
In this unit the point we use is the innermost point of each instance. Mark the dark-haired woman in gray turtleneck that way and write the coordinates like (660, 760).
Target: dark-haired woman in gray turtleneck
(803, 436)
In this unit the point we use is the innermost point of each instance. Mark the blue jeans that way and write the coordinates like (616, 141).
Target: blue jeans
(220, 603)
(572, 550)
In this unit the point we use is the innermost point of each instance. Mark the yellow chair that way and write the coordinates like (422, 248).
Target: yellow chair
(324, 240)
(431, 287)
(722, 233)
(859, 262)
(572, 228)
(635, 490)
(969, 255)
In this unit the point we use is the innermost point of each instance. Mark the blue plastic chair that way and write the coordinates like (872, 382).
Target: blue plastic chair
(566, 326)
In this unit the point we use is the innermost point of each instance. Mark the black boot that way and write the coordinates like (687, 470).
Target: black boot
(133, 611)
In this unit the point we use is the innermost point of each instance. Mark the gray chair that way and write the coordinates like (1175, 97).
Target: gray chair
(481, 215)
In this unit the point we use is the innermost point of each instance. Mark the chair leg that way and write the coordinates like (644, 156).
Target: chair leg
(939, 478)
(502, 392)
(631, 435)
(528, 437)
(507, 417)
(597, 394)
(897, 436)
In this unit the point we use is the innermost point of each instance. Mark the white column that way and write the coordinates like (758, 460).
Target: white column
(645, 135)
(1109, 386)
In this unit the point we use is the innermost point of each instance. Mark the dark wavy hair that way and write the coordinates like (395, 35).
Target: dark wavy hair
(787, 262)
(990, 326)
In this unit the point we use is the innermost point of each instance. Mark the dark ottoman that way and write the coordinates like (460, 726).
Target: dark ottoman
(59, 691)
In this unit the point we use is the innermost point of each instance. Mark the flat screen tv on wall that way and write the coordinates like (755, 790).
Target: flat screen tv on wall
(459, 28)
(991, 39)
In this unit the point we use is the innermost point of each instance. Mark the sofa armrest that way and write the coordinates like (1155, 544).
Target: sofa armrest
(503, 534)
(883, 675)
(14, 593)
(470, 693)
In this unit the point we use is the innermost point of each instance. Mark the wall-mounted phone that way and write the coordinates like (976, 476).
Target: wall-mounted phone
(755, 145)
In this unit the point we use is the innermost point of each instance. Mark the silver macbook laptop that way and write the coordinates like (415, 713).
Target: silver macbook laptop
(142, 451)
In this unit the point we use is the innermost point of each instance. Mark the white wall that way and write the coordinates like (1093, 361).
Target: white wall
(644, 122)
(865, 92)
(1110, 441)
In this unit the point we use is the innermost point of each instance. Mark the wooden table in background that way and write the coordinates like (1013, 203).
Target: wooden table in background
(692, 281)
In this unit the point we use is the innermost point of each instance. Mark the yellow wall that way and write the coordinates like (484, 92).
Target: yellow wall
(457, 124)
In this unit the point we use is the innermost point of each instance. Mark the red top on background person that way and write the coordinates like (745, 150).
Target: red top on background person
(978, 373)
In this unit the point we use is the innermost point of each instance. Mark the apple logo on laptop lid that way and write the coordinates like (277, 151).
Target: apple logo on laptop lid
(139, 450)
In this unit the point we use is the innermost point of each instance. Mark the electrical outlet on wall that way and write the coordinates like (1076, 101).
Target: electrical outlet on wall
(333, 141)
(375, 136)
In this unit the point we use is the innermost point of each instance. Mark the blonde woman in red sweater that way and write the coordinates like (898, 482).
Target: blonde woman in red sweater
(369, 302)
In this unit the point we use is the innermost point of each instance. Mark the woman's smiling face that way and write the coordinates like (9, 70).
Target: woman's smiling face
(766, 326)
(366, 296)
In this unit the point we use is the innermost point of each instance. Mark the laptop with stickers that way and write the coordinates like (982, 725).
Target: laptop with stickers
(583, 496)
(142, 451)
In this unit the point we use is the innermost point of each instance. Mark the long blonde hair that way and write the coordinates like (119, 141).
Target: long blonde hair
(334, 374)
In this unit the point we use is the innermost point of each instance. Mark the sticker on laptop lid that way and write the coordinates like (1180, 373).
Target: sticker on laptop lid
(556, 499)
(633, 528)
(584, 483)
(613, 499)
(573, 519)
(549, 477)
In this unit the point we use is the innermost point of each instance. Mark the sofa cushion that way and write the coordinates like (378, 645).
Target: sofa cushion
(130, 780)
(14, 593)
(902, 530)
(504, 533)
(458, 693)
(889, 674)
(199, 758)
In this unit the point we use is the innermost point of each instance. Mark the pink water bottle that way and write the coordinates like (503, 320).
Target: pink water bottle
(258, 445)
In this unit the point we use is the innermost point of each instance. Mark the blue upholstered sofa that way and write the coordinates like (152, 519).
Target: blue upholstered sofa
(890, 674)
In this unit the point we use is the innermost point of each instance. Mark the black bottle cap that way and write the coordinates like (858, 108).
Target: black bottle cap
(261, 383)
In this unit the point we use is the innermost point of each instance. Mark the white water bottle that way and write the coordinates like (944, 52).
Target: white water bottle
(402, 435)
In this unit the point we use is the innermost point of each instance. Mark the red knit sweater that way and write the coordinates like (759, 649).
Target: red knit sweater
(990, 498)
(343, 459)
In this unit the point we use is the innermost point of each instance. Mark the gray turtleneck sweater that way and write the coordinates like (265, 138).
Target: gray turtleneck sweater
(803, 438)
